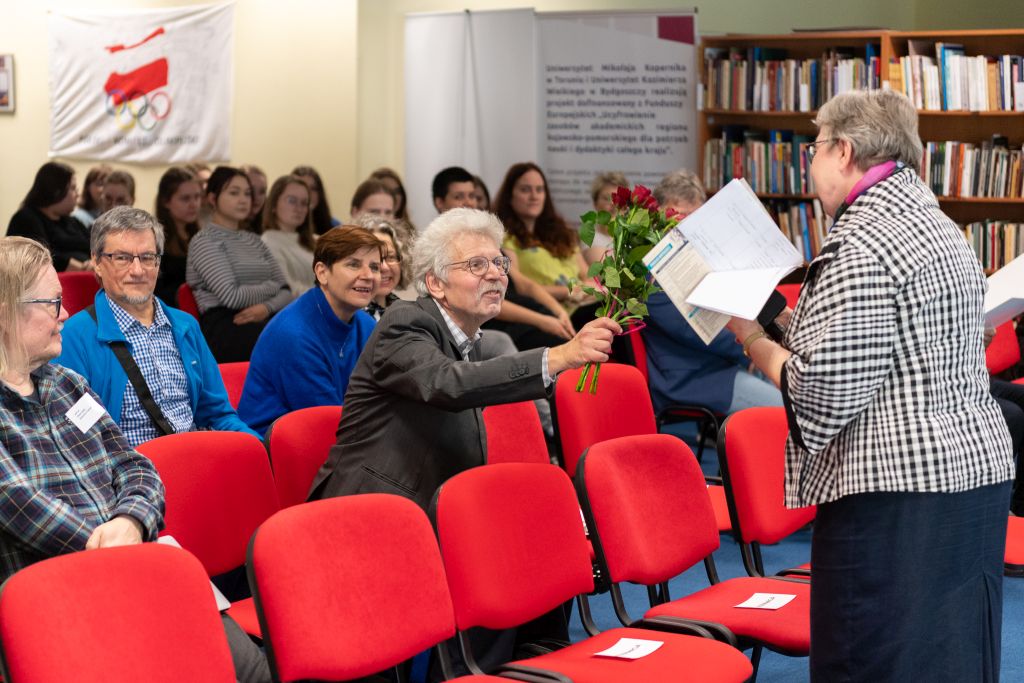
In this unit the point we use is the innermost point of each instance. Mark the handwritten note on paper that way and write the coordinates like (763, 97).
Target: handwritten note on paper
(630, 648)
(767, 601)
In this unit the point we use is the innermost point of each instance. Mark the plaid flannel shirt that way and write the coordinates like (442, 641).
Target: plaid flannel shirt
(887, 389)
(57, 484)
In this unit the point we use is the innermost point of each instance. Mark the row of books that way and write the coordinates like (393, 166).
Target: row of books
(773, 162)
(764, 79)
(804, 223)
(996, 243)
(953, 81)
(965, 169)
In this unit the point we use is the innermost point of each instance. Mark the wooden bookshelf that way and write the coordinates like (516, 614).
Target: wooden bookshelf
(935, 126)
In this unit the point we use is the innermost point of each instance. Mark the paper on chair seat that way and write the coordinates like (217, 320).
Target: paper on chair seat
(767, 601)
(630, 648)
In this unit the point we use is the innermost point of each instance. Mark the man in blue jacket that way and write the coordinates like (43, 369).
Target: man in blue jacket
(165, 380)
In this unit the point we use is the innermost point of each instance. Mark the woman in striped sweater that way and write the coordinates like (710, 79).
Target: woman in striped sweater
(235, 279)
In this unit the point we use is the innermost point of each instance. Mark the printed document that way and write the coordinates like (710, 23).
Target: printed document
(723, 260)
(1004, 299)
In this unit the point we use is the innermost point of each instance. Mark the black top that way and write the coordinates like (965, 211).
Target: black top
(65, 237)
(172, 276)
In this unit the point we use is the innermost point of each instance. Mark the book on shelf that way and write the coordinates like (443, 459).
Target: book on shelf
(773, 161)
(996, 243)
(954, 81)
(965, 169)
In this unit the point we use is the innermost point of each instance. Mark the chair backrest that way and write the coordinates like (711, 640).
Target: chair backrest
(513, 543)
(647, 508)
(753, 460)
(621, 407)
(234, 375)
(514, 434)
(1004, 351)
(187, 301)
(219, 489)
(78, 290)
(638, 348)
(346, 587)
(791, 292)
(299, 444)
(115, 615)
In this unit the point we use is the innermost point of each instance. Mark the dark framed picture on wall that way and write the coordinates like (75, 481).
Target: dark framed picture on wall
(6, 83)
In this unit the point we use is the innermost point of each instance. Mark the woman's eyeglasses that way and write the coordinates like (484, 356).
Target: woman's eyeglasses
(812, 147)
(56, 303)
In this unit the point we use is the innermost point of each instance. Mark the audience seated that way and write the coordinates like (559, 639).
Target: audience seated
(178, 198)
(258, 181)
(482, 194)
(76, 483)
(45, 216)
(305, 355)
(373, 197)
(178, 387)
(90, 202)
(601, 191)
(318, 204)
(118, 190)
(541, 244)
(288, 231)
(234, 278)
(683, 369)
(395, 272)
(201, 171)
(394, 183)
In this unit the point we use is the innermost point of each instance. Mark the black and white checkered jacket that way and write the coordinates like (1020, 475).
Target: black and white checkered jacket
(887, 388)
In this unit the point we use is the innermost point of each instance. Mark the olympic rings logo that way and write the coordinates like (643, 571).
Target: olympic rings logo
(128, 111)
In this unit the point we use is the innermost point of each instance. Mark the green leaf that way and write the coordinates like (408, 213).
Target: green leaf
(595, 268)
(629, 275)
(592, 291)
(611, 277)
(589, 217)
(603, 218)
(587, 231)
(636, 308)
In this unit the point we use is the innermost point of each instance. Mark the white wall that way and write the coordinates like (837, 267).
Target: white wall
(295, 88)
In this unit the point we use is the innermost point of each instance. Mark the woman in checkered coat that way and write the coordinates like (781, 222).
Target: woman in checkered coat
(893, 432)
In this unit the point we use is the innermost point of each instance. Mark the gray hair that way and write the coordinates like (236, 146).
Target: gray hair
(124, 219)
(399, 237)
(613, 178)
(432, 251)
(681, 185)
(880, 125)
(21, 263)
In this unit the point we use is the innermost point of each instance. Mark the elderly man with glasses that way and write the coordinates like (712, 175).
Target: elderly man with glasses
(412, 409)
(148, 363)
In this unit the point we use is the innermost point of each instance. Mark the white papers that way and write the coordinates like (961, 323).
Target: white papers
(222, 601)
(725, 259)
(1004, 299)
(771, 601)
(630, 648)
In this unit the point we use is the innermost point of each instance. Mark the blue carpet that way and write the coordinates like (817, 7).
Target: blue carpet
(776, 668)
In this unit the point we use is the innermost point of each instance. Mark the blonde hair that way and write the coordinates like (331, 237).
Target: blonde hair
(21, 263)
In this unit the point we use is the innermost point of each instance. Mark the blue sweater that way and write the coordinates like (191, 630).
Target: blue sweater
(86, 350)
(303, 358)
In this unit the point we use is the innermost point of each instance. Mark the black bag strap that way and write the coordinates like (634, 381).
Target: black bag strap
(131, 368)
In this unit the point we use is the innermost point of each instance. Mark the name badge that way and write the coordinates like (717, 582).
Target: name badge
(85, 412)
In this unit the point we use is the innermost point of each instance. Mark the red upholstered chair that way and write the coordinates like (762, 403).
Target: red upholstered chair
(648, 523)
(347, 587)
(187, 301)
(621, 407)
(117, 615)
(299, 444)
(1004, 351)
(233, 375)
(514, 434)
(791, 292)
(78, 290)
(219, 490)
(752, 448)
(514, 549)
(706, 419)
(1013, 559)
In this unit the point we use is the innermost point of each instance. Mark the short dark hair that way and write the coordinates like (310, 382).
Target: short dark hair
(343, 241)
(444, 179)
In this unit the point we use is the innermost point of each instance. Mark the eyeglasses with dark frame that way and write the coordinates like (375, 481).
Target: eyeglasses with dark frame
(392, 258)
(56, 303)
(123, 259)
(479, 265)
(812, 147)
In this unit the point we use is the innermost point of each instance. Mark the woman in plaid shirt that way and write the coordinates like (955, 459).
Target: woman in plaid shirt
(893, 432)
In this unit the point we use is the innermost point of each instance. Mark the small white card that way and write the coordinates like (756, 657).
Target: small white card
(767, 601)
(85, 412)
(630, 648)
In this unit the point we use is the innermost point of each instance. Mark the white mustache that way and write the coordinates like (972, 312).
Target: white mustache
(493, 288)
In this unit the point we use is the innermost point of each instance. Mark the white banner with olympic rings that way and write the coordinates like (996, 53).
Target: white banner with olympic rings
(150, 86)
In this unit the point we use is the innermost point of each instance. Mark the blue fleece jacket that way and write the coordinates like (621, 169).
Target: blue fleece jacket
(86, 350)
(303, 358)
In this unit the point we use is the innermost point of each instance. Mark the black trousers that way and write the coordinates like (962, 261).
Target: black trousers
(229, 343)
(1010, 398)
